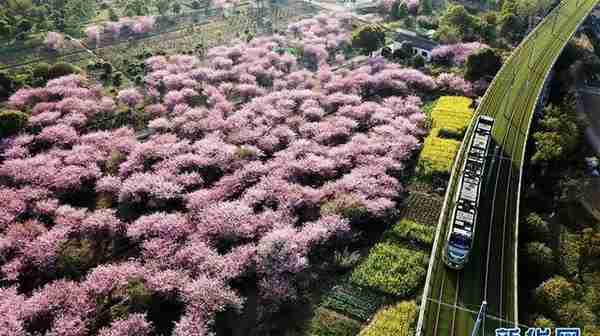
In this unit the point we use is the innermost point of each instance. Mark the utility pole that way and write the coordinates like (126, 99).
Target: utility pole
(480, 317)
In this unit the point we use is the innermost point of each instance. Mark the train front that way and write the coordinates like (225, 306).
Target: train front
(456, 252)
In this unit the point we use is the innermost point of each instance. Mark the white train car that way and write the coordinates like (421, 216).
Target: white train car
(459, 241)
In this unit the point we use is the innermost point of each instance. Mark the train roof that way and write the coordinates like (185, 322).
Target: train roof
(486, 119)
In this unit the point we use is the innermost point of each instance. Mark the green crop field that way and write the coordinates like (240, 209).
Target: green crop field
(511, 100)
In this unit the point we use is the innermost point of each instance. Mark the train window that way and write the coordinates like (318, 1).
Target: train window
(459, 240)
(484, 126)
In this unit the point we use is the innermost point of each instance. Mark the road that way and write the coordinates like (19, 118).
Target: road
(451, 299)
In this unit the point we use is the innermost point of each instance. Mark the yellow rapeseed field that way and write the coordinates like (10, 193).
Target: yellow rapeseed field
(452, 113)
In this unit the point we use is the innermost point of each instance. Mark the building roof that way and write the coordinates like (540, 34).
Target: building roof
(417, 41)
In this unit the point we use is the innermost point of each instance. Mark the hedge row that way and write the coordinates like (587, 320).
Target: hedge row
(392, 270)
(354, 301)
(398, 320)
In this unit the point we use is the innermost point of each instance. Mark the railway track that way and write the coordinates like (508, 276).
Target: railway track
(491, 273)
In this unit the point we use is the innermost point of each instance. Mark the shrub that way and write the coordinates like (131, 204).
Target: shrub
(419, 61)
(398, 320)
(8, 85)
(117, 79)
(41, 73)
(75, 258)
(407, 230)
(354, 301)
(11, 122)
(392, 269)
(452, 134)
(346, 206)
(61, 69)
(329, 323)
(428, 22)
(345, 259)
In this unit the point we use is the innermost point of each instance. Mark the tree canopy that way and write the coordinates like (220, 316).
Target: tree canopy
(485, 63)
(368, 38)
(558, 134)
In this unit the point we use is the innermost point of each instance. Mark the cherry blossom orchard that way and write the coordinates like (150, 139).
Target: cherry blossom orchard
(259, 164)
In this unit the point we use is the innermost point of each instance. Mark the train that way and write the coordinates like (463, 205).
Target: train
(460, 238)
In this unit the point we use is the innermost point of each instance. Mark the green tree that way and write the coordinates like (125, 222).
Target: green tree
(403, 53)
(491, 18)
(568, 56)
(512, 26)
(41, 73)
(571, 188)
(23, 29)
(137, 8)
(538, 256)
(557, 136)
(456, 16)
(591, 330)
(368, 38)
(69, 15)
(18, 7)
(62, 69)
(590, 249)
(553, 293)
(428, 22)
(6, 29)
(457, 20)
(11, 122)
(7, 86)
(591, 67)
(399, 10)
(112, 15)
(410, 22)
(575, 314)
(117, 79)
(162, 6)
(419, 61)
(509, 7)
(196, 5)
(447, 34)
(426, 7)
(177, 8)
(536, 227)
(530, 8)
(483, 64)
